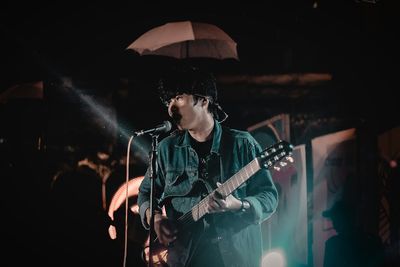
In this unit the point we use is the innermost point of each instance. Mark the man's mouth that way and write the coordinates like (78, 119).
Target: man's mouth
(176, 117)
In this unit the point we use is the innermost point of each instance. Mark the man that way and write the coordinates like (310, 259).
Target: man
(351, 246)
(197, 158)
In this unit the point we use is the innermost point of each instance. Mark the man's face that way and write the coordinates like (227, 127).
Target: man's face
(184, 112)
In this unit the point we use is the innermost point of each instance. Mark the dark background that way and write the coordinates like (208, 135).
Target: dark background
(352, 41)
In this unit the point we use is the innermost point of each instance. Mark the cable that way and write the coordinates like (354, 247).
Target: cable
(126, 202)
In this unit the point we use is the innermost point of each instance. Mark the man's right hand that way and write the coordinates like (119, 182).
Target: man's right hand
(165, 228)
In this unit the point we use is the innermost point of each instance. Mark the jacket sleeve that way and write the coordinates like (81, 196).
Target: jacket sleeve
(261, 192)
(143, 200)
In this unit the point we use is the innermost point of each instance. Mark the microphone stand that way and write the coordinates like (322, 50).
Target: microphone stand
(153, 175)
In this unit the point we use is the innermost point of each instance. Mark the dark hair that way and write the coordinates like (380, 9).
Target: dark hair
(193, 81)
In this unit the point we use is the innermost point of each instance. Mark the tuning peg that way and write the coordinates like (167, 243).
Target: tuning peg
(268, 164)
(290, 159)
(282, 163)
(277, 168)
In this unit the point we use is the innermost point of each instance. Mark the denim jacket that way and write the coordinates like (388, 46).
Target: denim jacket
(238, 233)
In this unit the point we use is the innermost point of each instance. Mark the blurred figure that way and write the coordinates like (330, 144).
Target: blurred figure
(351, 247)
(78, 221)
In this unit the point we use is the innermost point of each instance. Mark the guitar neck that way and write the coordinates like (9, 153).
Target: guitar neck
(200, 209)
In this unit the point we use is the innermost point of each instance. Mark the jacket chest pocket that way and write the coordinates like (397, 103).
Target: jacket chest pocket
(178, 185)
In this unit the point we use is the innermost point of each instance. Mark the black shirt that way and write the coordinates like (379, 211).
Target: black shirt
(203, 151)
(207, 253)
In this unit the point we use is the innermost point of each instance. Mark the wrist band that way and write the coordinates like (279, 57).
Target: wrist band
(245, 205)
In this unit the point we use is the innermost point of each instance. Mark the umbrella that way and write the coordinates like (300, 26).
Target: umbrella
(186, 39)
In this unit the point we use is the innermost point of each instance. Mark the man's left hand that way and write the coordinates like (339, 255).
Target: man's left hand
(217, 203)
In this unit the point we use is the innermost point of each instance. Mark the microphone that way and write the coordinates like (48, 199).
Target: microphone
(164, 127)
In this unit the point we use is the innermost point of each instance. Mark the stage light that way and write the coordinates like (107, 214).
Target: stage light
(274, 258)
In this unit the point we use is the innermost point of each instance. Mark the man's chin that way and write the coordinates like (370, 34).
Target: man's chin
(177, 122)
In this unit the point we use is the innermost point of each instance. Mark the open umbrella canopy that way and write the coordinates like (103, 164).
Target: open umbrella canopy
(186, 39)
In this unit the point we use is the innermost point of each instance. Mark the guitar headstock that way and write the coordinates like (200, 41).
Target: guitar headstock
(279, 152)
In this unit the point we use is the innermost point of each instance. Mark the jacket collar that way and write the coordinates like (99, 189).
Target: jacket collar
(217, 132)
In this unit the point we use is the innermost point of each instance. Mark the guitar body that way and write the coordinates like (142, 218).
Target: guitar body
(179, 252)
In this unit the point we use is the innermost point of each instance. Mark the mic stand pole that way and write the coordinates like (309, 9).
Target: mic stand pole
(153, 175)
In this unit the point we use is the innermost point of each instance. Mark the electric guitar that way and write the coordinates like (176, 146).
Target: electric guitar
(279, 152)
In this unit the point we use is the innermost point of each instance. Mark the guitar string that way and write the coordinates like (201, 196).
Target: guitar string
(201, 206)
(200, 209)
